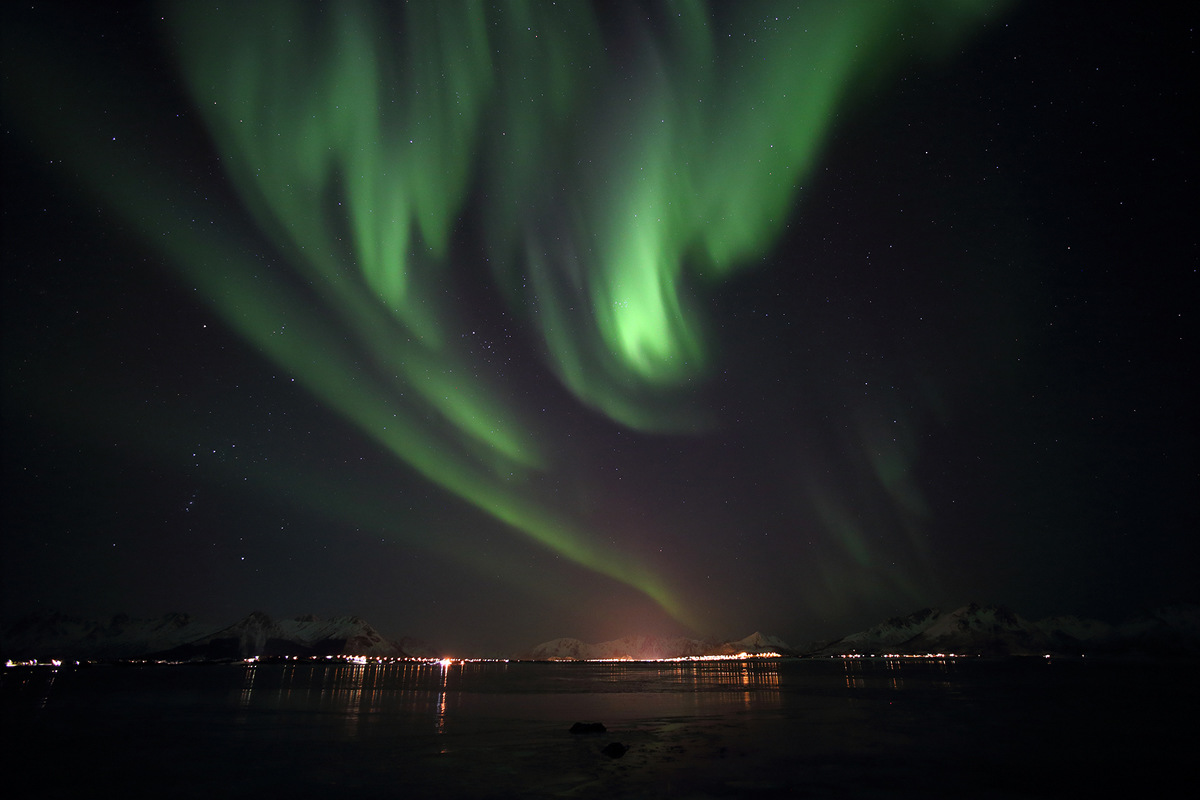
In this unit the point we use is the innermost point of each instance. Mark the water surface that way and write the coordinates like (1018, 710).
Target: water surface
(772, 728)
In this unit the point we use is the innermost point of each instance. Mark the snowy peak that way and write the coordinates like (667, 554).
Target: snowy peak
(974, 619)
(1171, 630)
(894, 631)
(56, 635)
(181, 637)
(974, 628)
(562, 649)
(309, 635)
(995, 630)
(987, 630)
(760, 643)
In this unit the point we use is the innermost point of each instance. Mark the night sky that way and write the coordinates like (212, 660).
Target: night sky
(510, 321)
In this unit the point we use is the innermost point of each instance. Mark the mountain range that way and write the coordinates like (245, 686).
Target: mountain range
(973, 629)
(181, 637)
(985, 630)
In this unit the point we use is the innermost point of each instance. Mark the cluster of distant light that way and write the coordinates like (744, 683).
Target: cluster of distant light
(448, 662)
(907, 655)
(344, 659)
(347, 659)
(626, 659)
(915, 655)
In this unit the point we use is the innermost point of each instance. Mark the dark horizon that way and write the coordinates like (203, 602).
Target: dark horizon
(1173, 636)
(909, 334)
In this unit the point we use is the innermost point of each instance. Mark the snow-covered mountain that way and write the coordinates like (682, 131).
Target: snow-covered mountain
(995, 630)
(886, 635)
(56, 635)
(1171, 630)
(650, 647)
(310, 635)
(760, 643)
(180, 637)
(972, 629)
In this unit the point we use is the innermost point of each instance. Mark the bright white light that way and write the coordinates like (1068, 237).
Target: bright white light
(733, 657)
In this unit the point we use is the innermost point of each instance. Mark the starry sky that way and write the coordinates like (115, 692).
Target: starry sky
(498, 322)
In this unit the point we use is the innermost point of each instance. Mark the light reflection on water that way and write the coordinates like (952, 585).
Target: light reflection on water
(698, 727)
(431, 696)
(943, 674)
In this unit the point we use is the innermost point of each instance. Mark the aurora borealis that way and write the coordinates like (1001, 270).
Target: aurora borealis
(500, 322)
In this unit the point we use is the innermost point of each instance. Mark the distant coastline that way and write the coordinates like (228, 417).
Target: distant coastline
(974, 629)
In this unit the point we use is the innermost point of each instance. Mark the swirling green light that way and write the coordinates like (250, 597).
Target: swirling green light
(614, 187)
(683, 168)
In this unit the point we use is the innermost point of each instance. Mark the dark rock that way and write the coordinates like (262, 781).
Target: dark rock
(588, 727)
(615, 750)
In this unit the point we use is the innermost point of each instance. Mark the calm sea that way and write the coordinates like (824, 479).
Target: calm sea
(773, 728)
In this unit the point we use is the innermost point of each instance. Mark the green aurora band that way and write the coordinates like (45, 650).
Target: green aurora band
(619, 174)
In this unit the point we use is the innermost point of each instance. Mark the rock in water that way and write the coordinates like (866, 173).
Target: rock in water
(588, 727)
(615, 750)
